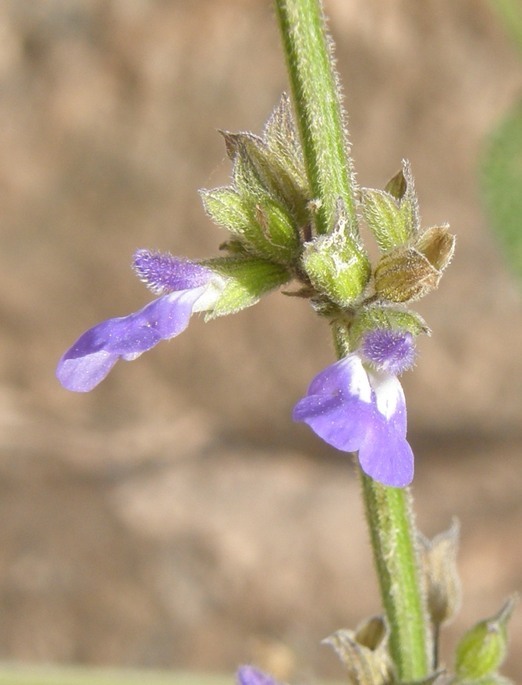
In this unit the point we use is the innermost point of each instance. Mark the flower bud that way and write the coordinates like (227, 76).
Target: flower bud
(364, 653)
(483, 648)
(276, 226)
(261, 223)
(272, 162)
(439, 565)
(337, 265)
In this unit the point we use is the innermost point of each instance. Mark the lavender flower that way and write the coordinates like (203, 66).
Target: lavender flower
(184, 287)
(250, 675)
(357, 404)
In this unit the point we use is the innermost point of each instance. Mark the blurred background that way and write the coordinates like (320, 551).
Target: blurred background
(176, 517)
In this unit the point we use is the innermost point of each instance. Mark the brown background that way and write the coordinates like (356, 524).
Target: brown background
(176, 517)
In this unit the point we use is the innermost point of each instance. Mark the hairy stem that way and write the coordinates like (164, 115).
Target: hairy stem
(317, 102)
(392, 531)
(320, 119)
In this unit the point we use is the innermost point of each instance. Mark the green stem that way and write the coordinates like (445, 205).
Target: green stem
(319, 113)
(320, 118)
(392, 531)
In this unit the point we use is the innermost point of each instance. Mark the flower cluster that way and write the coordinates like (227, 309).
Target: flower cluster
(356, 404)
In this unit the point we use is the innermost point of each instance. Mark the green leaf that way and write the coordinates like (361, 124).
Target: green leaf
(502, 185)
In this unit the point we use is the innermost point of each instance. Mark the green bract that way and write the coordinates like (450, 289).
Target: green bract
(392, 214)
(246, 280)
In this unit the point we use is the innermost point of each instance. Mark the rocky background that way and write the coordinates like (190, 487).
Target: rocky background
(176, 517)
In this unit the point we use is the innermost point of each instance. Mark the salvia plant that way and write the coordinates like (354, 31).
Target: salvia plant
(293, 212)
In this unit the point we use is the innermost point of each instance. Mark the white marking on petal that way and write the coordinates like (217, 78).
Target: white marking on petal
(209, 294)
(389, 396)
(355, 378)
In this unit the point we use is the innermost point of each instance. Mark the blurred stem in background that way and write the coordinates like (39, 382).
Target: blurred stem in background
(501, 164)
(510, 12)
(320, 117)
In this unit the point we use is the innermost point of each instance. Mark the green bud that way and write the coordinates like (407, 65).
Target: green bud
(259, 221)
(272, 163)
(281, 241)
(483, 648)
(282, 139)
(364, 653)
(337, 265)
(373, 316)
(392, 214)
(439, 566)
(247, 279)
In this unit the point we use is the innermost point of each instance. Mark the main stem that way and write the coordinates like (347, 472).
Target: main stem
(390, 519)
(318, 107)
(320, 118)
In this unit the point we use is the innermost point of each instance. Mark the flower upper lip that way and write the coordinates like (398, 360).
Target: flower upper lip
(88, 361)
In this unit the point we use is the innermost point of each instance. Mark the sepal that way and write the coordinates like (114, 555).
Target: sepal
(337, 265)
(405, 275)
(392, 214)
(280, 239)
(439, 566)
(437, 244)
(260, 222)
(273, 162)
(364, 652)
(374, 317)
(226, 208)
(483, 648)
(246, 280)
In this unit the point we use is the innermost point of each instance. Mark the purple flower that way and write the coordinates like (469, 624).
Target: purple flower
(250, 675)
(357, 404)
(185, 287)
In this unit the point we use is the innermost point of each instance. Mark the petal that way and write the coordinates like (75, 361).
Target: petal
(338, 404)
(250, 675)
(347, 376)
(389, 399)
(94, 354)
(385, 455)
(162, 272)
